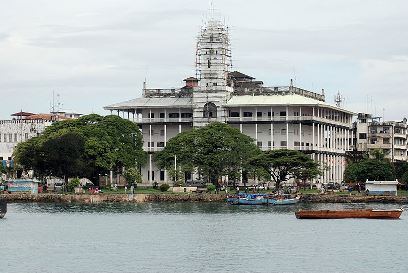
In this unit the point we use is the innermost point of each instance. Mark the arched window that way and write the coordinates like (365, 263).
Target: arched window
(210, 110)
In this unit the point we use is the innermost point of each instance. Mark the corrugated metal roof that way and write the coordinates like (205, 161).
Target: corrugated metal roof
(151, 103)
(292, 99)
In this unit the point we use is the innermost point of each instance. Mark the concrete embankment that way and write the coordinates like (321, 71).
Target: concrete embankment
(333, 198)
(173, 198)
(111, 198)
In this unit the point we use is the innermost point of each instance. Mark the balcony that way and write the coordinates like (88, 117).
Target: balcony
(163, 120)
(283, 119)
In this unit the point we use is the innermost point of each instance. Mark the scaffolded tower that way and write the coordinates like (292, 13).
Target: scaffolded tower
(213, 62)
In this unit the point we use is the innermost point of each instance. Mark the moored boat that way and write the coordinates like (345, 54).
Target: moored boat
(3, 208)
(340, 214)
(285, 201)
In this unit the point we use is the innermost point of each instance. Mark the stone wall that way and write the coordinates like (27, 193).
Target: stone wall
(174, 198)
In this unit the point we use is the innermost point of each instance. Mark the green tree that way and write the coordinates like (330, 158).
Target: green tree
(284, 164)
(86, 147)
(371, 169)
(132, 175)
(214, 150)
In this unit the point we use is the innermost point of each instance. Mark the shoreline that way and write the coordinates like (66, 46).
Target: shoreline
(192, 197)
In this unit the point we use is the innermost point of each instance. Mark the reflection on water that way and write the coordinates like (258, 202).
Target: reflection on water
(188, 207)
(196, 237)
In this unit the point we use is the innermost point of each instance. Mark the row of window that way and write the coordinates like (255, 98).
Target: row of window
(258, 114)
(172, 115)
(283, 144)
(11, 137)
(162, 174)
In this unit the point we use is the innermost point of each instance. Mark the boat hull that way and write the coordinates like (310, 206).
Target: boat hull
(290, 201)
(340, 214)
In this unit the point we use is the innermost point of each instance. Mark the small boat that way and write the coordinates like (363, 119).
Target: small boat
(340, 214)
(3, 208)
(285, 201)
(251, 200)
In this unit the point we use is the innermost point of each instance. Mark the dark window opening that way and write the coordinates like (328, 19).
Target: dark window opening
(210, 110)
(247, 114)
(174, 115)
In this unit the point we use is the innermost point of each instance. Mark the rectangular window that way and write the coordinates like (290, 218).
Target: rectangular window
(269, 144)
(386, 141)
(5, 137)
(259, 144)
(259, 114)
(160, 144)
(15, 137)
(174, 115)
(234, 114)
(297, 143)
(362, 136)
(247, 114)
(150, 144)
(373, 130)
(282, 114)
(161, 175)
(26, 136)
(296, 114)
(271, 114)
(161, 115)
(186, 115)
(151, 115)
(10, 137)
(283, 143)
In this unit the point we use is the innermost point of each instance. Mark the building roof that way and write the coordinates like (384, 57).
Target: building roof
(237, 74)
(152, 103)
(191, 79)
(22, 114)
(287, 99)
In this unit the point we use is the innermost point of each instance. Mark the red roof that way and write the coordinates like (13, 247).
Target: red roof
(22, 114)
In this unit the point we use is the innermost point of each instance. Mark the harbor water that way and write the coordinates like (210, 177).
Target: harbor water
(196, 237)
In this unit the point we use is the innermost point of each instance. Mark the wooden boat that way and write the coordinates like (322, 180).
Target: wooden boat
(285, 201)
(339, 214)
(3, 208)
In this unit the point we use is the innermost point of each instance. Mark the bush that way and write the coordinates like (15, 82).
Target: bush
(164, 187)
(73, 184)
(210, 187)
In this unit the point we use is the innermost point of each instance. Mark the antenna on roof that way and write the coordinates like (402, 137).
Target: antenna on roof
(339, 99)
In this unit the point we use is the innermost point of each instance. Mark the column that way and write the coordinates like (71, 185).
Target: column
(240, 119)
(272, 137)
(300, 128)
(150, 169)
(287, 127)
(179, 120)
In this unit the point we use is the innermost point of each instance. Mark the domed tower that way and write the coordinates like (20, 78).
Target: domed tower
(213, 62)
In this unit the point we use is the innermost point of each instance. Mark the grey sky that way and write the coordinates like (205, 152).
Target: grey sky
(98, 52)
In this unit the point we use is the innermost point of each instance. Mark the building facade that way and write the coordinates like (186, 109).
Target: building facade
(23, 126)
(275, 117)
(390, 137)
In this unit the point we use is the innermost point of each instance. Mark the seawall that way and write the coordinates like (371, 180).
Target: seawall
(111, 198)
(193, 197)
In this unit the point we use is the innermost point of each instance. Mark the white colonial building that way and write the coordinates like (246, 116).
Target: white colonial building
(23, 126)
(275, 117)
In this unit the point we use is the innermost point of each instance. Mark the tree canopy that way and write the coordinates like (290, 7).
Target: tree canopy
(371, 169)
(284, 164)
(87, 146)
(214, 150)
